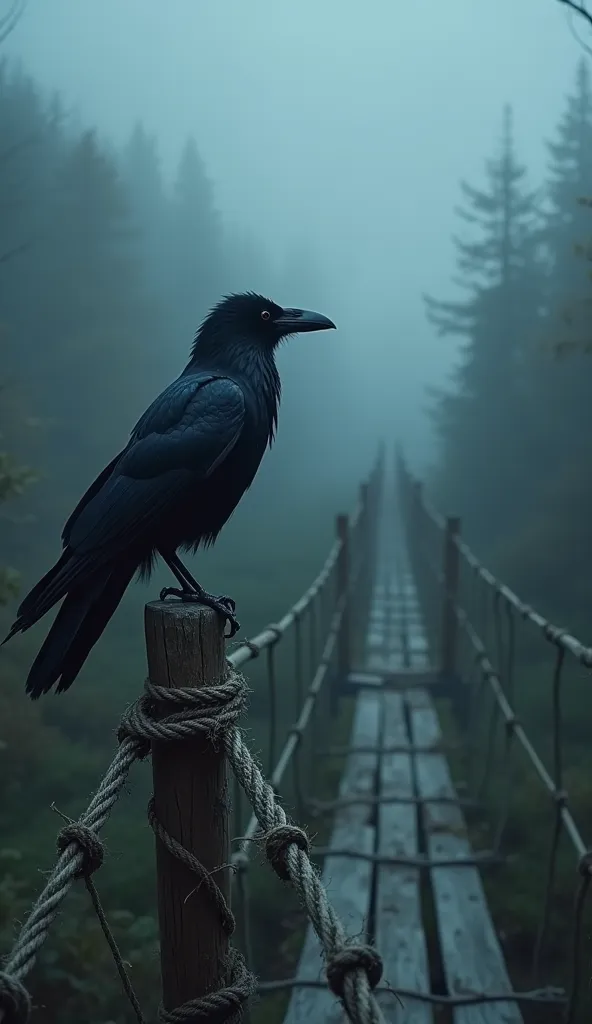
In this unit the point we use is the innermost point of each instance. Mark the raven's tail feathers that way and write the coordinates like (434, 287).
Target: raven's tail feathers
(48, 591)
(78, 625)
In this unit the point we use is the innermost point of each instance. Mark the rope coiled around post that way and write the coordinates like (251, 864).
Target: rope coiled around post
(168, 714)
(352, 970)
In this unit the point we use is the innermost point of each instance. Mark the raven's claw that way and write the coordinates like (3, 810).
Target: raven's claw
(172, 592)
(224, 605)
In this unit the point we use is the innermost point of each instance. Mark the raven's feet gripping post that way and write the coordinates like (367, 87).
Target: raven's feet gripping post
(224, 605)
(190, 590)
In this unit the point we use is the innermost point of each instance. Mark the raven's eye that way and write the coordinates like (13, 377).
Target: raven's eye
(265, 315)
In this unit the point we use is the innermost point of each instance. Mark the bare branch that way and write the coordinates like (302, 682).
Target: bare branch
(579, 7)
(11, 19)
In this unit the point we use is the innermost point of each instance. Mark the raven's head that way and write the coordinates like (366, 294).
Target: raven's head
(252, 317)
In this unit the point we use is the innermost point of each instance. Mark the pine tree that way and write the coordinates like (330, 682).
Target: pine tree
(570, 182)
(95, 235)
(565, 385)
(549, 555)
(478, 419)
(27, 150)
(98, 326)
(142, 178)
(141, 171)
(195, 246)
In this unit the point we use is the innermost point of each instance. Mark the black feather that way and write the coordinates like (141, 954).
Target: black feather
(188, 462)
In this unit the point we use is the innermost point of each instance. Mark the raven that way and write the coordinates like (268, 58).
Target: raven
(188, 462)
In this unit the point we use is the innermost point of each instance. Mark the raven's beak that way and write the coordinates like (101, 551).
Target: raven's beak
(296, 321)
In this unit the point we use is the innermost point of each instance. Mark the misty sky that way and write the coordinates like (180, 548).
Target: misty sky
(345, 123)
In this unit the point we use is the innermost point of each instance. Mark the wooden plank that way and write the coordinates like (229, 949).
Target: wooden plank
(379, 630)
(471, 954)
(372, 679)
(417, 642)
(392, 680)
(410, 677)
(399, 930)
(348, 880)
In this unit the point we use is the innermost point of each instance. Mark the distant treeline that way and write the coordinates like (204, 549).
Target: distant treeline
(514, 425)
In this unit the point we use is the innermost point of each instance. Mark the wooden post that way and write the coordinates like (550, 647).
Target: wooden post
(185, 647)
(450, 595)
(343, 640)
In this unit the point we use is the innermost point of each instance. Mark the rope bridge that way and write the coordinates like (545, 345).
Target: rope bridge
(402, 612)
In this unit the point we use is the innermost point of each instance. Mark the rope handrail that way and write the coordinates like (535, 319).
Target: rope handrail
(519, 731)
(434, 542)
(511, 720)
(352, 969)
(564, 819)
(250, 649)
(552, 633)
(295, 732)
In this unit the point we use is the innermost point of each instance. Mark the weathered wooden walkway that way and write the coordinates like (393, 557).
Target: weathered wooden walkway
(407, 776)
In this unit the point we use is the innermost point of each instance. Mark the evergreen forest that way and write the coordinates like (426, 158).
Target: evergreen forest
(107, 265)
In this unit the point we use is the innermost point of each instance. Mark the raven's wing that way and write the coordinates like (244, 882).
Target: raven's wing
(94, 488)
(166, 410)
(184, 435)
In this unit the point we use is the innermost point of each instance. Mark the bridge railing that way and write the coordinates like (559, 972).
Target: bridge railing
(320, 637)
(485, 660)
(186, 720)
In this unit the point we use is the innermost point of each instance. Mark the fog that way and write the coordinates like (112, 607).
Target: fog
(341, 126)
(154, 156)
